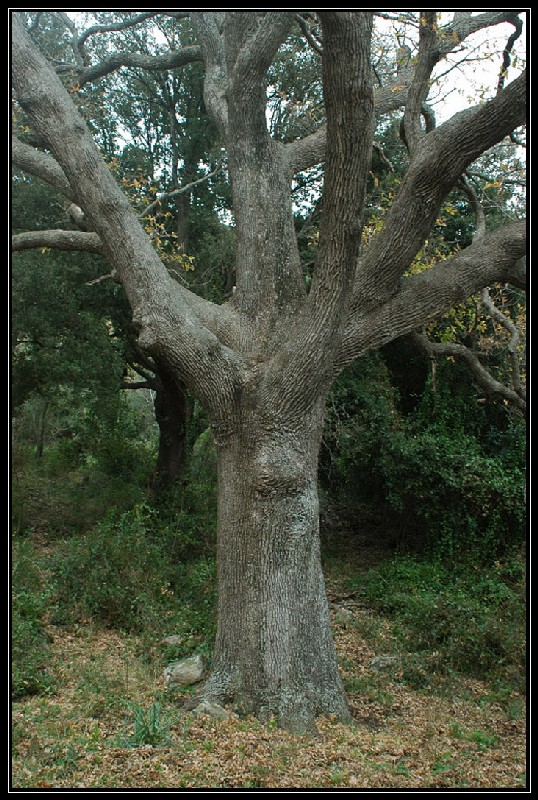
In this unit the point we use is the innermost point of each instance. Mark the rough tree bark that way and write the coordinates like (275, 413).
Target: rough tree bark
(262, 363)
(274, 654)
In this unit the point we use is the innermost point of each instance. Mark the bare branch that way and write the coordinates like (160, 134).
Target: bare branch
(507, 323)
(109, 276)
(181, 190)
(517, 22)
(115, 26)
(478, 208)
(383, 158)
(307, 33)
(75, 45)
(35, 24)
(348, 96)
(483, 378)
(161, 62)
(76, 214)
(139, 385)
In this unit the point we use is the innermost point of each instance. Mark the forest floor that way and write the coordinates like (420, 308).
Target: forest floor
(110, 722)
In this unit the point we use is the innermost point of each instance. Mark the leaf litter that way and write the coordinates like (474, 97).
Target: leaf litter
(81, 736)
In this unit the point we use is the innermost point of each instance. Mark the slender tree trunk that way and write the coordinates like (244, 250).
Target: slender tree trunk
(274, 654)
(171, 413)
(41, 427)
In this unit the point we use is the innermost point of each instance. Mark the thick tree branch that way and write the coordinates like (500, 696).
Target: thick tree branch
(348, 95)
(161, 307)
(311, 150)
(426, 296)
(307, 152)
(257, 50)
(209, 33)
(41, 165)
(428, 55)
(517, 274)
(464, 25)
(439, 160)
(57, 240)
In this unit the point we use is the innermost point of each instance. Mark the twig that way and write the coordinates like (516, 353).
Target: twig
(179, 191)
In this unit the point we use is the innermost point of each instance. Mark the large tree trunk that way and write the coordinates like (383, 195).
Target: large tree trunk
(274, 654)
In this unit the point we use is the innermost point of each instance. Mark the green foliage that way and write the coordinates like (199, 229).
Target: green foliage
(29, 642)
(361, 412)
(446, 482)
(468, 620)
(60, 338)
(116, 574)
(125, 574)
(117, 445)
(450, 477)
(464, 505)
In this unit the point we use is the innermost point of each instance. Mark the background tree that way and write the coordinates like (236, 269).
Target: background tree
(262, 363)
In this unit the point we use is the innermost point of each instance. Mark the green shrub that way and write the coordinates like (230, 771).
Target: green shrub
(117, 574)
(449, 475)
(125, 574)
(188, 513)
(195, 586)
(29, 641)
(469, 620)
(461, 504)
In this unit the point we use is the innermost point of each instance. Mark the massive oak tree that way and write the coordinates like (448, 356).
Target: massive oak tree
(262, 362)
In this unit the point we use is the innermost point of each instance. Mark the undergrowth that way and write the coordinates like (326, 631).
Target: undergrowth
(453, 621)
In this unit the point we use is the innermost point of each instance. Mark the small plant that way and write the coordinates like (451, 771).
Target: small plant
(147, 726)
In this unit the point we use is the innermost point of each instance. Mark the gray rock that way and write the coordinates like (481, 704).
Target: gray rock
(208, 708)
(379, 663)
(343, 617)
(172, 640)
(185, 672)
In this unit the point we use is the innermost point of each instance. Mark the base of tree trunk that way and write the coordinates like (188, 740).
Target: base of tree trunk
(295, 709)
(274, 654)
